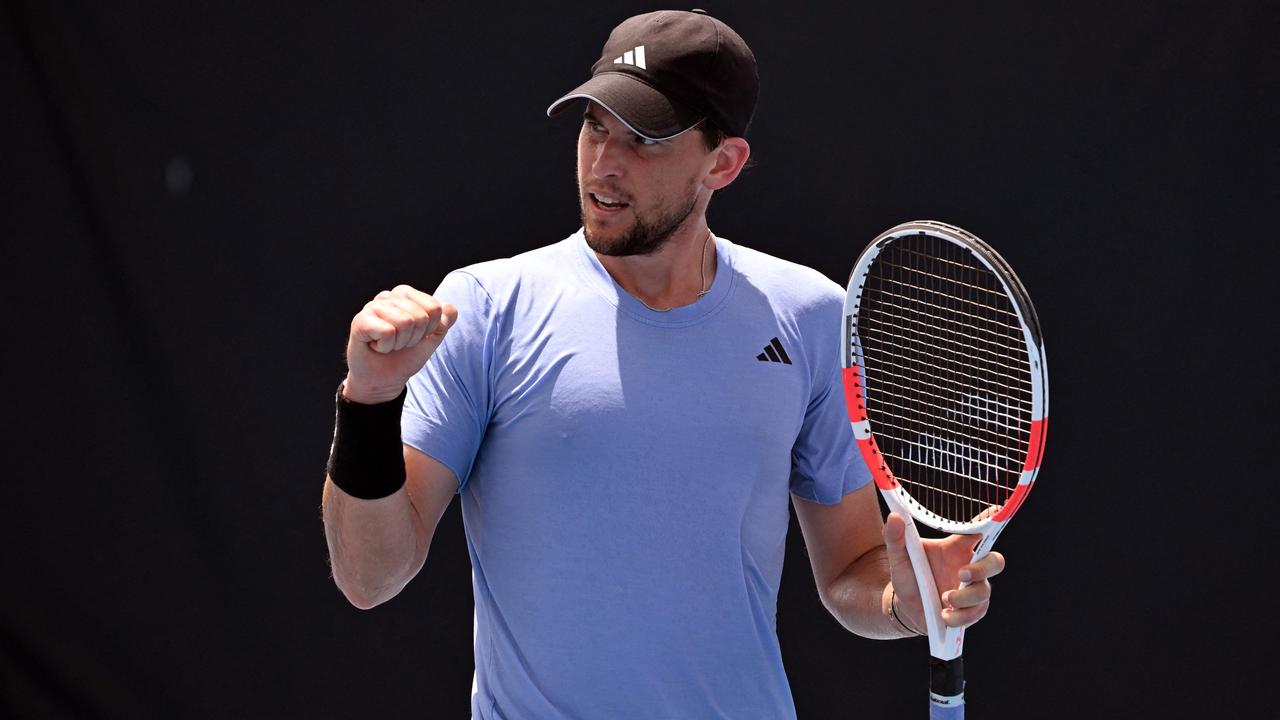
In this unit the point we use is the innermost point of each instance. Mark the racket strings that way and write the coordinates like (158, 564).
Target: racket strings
(917, 354)
(944, 279)
(946, 338)
(994, 414)
(905, 308)
(987, 446)
(947, 380)
(914, 380)
(942, 298)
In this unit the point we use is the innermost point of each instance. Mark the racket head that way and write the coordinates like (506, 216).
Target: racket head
(945, 376)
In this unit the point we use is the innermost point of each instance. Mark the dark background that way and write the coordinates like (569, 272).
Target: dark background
(198, 197)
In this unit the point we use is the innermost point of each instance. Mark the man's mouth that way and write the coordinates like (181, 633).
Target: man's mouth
(607, 202)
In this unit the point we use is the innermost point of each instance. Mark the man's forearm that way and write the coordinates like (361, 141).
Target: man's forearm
(375, 546)
(860, 598)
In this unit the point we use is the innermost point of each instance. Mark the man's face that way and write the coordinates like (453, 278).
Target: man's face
(635, 193)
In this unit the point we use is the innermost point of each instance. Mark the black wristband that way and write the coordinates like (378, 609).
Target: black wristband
(367, 459)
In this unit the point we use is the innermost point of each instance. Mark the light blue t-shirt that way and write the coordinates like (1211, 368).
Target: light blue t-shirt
(624, 476)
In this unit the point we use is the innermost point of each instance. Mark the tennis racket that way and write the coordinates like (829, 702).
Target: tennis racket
(946, 383)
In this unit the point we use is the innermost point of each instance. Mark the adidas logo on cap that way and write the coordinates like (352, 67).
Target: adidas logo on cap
(632, 57)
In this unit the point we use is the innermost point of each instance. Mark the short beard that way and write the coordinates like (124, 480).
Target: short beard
(644, 238)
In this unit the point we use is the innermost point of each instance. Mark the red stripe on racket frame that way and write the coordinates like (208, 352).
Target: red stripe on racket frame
(867, 446)
(875, 463)
(1014, 501)
(1034, 451)
(1036, 444)
(853, 394)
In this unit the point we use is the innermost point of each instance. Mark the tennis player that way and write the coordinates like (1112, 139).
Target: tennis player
(625, 414)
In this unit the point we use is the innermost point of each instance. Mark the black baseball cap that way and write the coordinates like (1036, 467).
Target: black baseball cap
(663, 72)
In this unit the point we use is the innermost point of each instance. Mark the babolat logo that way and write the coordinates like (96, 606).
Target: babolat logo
(773, 352)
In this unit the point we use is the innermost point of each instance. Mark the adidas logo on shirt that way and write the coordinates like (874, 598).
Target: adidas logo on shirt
(632, 57)
(773, 352)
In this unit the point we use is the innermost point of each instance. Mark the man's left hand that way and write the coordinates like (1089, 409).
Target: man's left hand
(949, 558)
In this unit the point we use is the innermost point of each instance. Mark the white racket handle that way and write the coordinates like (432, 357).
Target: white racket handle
(945, 643)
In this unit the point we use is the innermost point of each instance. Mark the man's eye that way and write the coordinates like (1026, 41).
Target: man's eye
(645, 141)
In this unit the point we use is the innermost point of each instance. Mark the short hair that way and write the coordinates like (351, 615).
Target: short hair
(712, 135)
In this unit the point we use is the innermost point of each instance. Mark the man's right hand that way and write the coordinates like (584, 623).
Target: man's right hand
(390, 341)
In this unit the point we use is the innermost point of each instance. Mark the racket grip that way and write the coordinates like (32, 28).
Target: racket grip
(946, 689)
(946, 712)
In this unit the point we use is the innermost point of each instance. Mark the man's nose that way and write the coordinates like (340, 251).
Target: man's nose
(608, 161)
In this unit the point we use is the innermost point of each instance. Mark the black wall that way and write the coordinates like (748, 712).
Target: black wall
(196, 200)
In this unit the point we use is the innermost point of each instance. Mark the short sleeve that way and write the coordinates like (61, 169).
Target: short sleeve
(825, 463)
(447, 407)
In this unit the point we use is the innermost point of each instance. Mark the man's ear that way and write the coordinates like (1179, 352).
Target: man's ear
(730, 157)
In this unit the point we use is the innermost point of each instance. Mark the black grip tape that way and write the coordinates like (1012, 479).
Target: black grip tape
(946, 677)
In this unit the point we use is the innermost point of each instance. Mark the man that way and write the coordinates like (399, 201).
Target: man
(624, 459)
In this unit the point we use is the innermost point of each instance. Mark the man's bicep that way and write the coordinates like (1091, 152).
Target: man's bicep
(836, 535)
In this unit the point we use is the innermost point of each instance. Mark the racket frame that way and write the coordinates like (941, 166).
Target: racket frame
(945, 643)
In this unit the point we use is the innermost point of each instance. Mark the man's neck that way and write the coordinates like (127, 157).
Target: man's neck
(675, 275)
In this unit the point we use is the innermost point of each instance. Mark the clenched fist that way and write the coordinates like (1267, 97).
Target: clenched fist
(390, 341)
